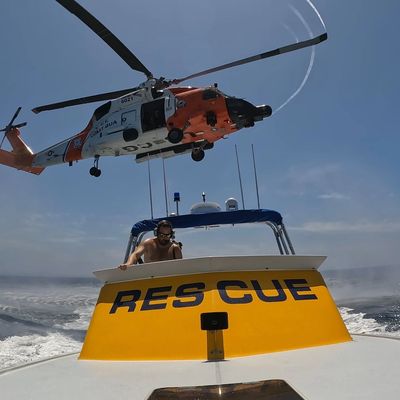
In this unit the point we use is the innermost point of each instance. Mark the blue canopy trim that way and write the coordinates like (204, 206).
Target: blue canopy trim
(215, 218)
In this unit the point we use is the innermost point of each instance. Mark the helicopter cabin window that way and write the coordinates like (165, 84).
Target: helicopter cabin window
(102, 110)
(153, 115)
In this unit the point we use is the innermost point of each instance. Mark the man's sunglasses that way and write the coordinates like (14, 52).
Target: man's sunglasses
(164, 235)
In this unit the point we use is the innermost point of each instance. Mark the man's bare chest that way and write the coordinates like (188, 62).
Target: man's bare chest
(159, 253)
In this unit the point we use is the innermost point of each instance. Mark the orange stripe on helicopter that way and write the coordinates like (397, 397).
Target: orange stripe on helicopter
(75, 145)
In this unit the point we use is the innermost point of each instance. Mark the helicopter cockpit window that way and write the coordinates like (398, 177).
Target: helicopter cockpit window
(156, 93)
(209, 94)
(153, 115)
(102, 110)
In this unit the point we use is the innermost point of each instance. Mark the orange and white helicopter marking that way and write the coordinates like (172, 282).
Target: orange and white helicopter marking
(155, 119)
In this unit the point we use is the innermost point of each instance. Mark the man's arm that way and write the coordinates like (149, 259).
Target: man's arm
(177, 251)
(133, 258)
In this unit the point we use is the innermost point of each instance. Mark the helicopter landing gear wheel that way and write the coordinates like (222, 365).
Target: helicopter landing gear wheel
(197, 154)
(95, 171)
(175, 135)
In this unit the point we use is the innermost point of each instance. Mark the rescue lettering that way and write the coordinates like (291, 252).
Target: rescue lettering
(131, 296)
(154, 294)
(230, 292)
(222, 285)
(189, 290)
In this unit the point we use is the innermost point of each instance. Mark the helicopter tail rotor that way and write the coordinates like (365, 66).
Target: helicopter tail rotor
(10, 126)
(21, 156)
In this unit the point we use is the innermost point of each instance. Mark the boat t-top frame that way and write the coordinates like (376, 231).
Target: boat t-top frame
(271, 218)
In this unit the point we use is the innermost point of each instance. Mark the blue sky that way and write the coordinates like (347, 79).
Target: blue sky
(328, 161)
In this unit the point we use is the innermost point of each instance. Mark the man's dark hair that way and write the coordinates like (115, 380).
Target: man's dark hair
(164, 222)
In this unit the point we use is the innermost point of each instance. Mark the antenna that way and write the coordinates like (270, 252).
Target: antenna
(165, 188)
(255, 176)
(240, 177)
(150, 193)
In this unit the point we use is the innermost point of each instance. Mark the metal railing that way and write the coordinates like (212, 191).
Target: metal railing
(281, 236)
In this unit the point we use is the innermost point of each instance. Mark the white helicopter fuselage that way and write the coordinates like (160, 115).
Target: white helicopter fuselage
(132, 124)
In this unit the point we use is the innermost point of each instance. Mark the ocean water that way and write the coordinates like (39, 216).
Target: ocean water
(41, 318)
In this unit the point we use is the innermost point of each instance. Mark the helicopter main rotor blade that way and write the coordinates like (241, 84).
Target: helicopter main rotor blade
(272, 53)
(105, 34)
(83, 100)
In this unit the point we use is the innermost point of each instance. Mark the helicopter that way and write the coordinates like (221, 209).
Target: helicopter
(157, 118)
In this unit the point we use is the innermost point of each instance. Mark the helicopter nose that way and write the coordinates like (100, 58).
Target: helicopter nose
(264, 111)
(244, 114)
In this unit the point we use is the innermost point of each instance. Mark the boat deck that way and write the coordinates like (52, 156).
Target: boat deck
(366, 368)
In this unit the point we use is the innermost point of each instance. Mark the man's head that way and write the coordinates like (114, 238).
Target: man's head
(164, 231)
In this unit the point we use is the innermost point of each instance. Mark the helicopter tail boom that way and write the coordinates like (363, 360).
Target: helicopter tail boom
(21, 156)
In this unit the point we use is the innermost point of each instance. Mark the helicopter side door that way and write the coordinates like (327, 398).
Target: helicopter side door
(153, 115)
(150, 132)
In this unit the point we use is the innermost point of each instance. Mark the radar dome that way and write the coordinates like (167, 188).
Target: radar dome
(205, 207)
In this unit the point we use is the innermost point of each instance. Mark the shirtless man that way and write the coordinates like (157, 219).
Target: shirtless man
(159, 248)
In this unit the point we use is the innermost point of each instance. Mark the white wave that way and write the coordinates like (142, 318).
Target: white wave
(82, 323)
(51, 306)
(19, 350)
(356, 323)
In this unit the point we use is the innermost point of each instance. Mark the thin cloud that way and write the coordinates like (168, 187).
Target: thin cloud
(318, 180)
(334, 196)
(79, 239)
(59, 228)
(348, 227)
(314, 175)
